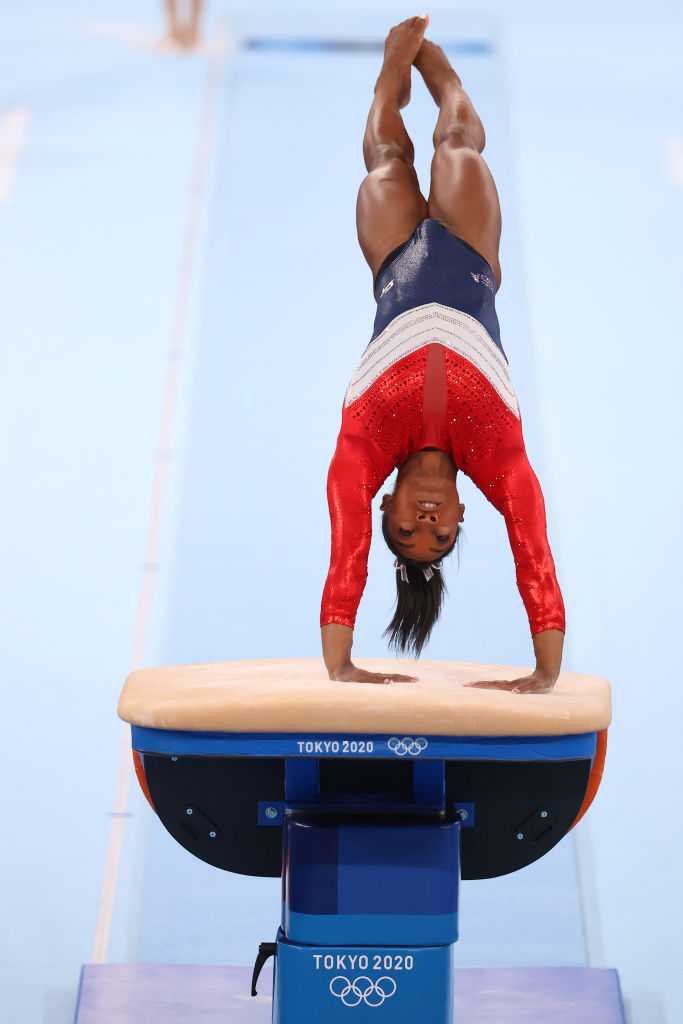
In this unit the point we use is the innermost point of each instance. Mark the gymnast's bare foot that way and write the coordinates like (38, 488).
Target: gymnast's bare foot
(400, 49)
(435, 68)
(188, 36)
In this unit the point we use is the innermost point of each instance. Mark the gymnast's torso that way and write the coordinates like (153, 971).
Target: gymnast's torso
(435, 375)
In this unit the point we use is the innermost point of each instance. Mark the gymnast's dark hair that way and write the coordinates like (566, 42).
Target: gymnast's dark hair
(418, 602)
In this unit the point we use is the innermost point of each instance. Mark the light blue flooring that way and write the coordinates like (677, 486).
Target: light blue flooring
(579, 113)
(88, 261)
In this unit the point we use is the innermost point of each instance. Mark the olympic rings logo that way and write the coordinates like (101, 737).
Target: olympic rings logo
(363, 990)
(407, 745)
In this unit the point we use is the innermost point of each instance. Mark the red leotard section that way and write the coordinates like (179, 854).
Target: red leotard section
(435, 397)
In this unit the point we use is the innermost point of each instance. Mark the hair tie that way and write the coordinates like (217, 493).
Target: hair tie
(403, 569)
(429, 571)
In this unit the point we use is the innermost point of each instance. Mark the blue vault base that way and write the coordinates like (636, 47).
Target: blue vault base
(314, 983)
(180, 994)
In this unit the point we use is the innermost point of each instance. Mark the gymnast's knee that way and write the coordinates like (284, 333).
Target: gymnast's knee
(463, 131)
(457, 163)
(389, 155)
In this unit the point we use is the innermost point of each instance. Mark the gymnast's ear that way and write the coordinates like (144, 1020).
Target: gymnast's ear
(386, 502)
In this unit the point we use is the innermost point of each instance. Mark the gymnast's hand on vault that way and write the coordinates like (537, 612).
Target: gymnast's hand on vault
(351, 674)
(537, 682)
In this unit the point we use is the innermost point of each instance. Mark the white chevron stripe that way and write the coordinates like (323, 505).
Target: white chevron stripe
(434, 323)
(13, 132)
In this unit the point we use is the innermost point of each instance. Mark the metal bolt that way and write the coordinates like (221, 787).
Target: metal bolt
(271, 812)
(212, 835)
(520, 835)
(189, 810)
(544, 814)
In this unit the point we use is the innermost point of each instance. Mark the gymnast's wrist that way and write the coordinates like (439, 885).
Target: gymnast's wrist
(337, 643)
(548, 645)
(546, 674)
(341, 672)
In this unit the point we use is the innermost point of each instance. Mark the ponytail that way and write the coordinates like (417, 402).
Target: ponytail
(419, 598)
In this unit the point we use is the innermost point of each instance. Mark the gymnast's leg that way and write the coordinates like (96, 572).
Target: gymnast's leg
(463, 194)
(183, 32)
(390, 204)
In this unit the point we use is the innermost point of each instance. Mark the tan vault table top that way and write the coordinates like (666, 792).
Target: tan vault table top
(294, 695)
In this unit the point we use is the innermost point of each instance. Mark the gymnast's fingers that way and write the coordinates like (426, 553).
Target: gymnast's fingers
(360, 675)
(533, 686)
(492, 684)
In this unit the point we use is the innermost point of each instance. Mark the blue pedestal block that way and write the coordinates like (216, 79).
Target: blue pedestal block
(325, 983)
(370, 915)
(348, 882)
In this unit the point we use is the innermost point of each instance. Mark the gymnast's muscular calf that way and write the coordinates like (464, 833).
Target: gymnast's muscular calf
(432, 395)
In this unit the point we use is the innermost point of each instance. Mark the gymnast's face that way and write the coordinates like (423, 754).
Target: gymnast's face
(423, 516)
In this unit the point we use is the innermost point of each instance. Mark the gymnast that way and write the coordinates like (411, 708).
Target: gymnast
(432, 393)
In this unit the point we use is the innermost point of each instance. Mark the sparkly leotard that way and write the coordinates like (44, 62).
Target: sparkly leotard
(435, 375)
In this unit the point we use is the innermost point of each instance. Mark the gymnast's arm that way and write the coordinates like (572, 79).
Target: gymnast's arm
(548, 651)
(355, 475)
(513, 489)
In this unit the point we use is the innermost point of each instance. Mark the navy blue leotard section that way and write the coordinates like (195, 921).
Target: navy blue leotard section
(434, 265)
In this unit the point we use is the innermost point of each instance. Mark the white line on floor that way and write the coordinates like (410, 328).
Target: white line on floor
(675, 155)
(196, 200)
(13, 133)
